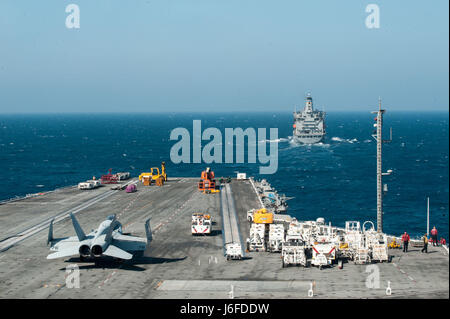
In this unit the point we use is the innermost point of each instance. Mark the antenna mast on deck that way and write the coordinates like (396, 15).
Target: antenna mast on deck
(378, 136)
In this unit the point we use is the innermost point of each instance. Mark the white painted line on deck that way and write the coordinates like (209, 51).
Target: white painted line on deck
(107, 278)
(404, 272)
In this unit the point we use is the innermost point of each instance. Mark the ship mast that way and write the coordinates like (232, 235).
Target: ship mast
(378, 136)
(309, 103)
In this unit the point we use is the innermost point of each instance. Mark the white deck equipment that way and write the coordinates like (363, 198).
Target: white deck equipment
(85, 185)
(257, 239)
(201, 224)
(323, 254)
(276, 237)
(293, 254)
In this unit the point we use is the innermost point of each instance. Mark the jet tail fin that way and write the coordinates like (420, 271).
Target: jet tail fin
(80, 233)
(50, 232)
(148, 231)
(114, 222)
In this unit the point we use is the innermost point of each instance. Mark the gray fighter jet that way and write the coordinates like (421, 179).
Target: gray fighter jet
(107, 240)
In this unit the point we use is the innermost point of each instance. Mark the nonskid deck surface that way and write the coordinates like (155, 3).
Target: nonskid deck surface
(179, 265)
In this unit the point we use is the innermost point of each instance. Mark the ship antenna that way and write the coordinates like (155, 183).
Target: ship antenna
(377, 135)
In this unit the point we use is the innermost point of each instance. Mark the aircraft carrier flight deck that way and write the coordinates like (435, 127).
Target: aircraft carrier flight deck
(177, 264)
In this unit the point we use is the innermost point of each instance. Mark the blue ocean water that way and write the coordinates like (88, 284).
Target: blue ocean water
(335, 179)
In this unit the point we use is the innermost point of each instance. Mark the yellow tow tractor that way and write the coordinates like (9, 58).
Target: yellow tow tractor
(260, 216)
(154, 175)
(394, 244)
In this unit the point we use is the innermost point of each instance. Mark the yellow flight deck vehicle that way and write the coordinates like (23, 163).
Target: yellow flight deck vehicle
(263, 216)
(394, 244)
(156, 175)
(260, 216)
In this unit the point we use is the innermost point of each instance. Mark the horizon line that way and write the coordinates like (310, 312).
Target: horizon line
(206, 112)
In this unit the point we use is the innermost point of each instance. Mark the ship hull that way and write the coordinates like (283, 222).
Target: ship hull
(308, 139)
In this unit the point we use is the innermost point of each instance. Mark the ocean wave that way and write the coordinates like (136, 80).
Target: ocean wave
(278, 140)
(294, 143)
(344, 140)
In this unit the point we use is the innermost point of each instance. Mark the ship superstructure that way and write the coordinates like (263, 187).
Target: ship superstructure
(309, 124)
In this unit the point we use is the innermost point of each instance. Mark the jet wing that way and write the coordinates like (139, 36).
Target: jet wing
(69, 249)
(65, 239)
(129, 243)
(62, 243)
(114, 251)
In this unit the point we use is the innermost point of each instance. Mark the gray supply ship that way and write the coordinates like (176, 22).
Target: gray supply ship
(309, 125)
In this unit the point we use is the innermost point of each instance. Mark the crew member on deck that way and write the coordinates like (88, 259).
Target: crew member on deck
(405, 240)
(434, 234)
(425, 243)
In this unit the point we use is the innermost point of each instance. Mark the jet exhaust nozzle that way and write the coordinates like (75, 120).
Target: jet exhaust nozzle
(85, 251)
(97, 250)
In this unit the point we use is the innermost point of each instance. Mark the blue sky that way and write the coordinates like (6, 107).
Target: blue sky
(222, 55)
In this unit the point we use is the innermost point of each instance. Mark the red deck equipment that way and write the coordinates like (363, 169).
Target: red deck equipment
(109, 178)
